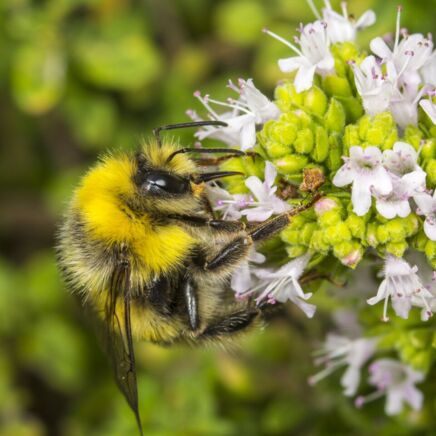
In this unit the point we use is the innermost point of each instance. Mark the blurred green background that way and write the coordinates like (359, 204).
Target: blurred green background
(77, 78)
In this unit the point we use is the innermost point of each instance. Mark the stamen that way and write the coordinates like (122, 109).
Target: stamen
(344, 9)
(284, 41)
(361, 400)
(232, 106)
(314, 9)
(204, 101)
(397, 29)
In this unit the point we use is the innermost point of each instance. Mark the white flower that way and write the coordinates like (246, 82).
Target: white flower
(339, 351)
(267, 202)
(408, 179)
(428, 70)
(312, 56)
(250, 109)
(229, 205)
(365, 171)
(375, 87)
(282, 285)
(404, 287)
(396, 381)
(397, 202)
(342, 28)
(243, 279)
(401, 160)
(427, 206)
(429, 108)
(408, 56)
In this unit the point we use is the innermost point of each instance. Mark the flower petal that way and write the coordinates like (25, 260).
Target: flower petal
(430, 229)
(380, 48)
(367, 19)
(304, 78)
(291, 64)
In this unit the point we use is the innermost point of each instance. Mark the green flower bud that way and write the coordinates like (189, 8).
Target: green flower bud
(430, 250)
(371, 235)
(290, 236)
(351, 138)
(330, 218)
(337, 233)
(430, 169)
(307, 232)
(297, 222)
(286, 98)
(382, 234)
(317, 242)
(283, 131)
(397, 248)
(334, 118)
(349, 253)
(346, 51)
(296, 250)
(353, 108)
(337, 86)
(382, 131)
(276, 150)
(411, 224)
(334, 158)
(413, 136)
(357, 226)
(396, 230)
(321, 150)
(291, 164)
(428, 149)
(304, 142)
(420, 241)
(315, 101)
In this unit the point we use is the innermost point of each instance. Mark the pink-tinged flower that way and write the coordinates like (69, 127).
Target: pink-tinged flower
(407, 55)
(342, 28)
(313, 55)
(429, 108)
(402, 284)
(267, 203)
(339, 351)
(427, 206)
(325, 204)
(281, 285)
(401, 160)
(250, 109)
(229, 205)
(408, 179)
(396, 381)
(244, 278)
(375, 87)
(365, 171)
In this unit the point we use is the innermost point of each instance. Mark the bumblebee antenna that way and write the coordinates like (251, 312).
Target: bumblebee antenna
(157, 130)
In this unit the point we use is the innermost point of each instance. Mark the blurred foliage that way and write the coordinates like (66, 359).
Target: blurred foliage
(77, 78)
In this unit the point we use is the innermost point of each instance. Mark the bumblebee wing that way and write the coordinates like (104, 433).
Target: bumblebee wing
(119, 343)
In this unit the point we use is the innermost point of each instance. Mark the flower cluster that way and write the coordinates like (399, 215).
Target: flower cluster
(356, 128)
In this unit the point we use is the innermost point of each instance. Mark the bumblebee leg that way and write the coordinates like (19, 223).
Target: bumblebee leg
(231, 323)
(190, 297)
(236, 250)
(220, 225)
(217, 160)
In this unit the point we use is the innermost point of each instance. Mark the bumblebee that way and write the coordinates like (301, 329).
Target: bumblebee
(142, 248)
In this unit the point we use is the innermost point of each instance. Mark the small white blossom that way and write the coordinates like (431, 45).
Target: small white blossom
(339, 351)
(375, 87)
(408, 179)
(313, 55)
(229, 205)
(342, 28)
(365, 171)
(396, 381)
(243, 279)
(250, 109)
(427, 206)
(267, 203)
(429, 108)
(407, 55)
(402, 284)
(281, 285)
(428, 70)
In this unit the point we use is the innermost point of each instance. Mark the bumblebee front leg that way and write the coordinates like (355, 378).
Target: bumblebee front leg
(237, 249)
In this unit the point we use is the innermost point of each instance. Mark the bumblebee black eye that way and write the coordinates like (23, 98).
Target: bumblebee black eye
(161, 183)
